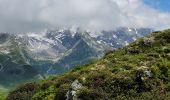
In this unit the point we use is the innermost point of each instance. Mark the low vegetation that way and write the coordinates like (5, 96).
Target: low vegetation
(3, 92)
(139, 71)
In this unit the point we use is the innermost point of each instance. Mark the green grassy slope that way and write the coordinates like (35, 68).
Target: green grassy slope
(2, 96)
(3, 93)
(138, 71)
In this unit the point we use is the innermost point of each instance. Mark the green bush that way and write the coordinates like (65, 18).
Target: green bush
(62, 91)
(24, 92)
(88, 94)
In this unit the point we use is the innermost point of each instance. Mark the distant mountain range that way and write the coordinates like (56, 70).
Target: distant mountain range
(32, 55)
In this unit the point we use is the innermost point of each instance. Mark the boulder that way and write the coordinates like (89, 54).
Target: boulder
(71, 94)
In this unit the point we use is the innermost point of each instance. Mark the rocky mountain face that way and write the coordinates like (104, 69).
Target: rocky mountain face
(139, 71)
(122, 36)
(32, 56)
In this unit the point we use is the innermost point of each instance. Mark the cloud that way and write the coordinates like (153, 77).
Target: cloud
(37, 15)
(139, 14)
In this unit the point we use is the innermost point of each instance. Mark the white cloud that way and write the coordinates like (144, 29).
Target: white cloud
(140, 15)
(36, 15)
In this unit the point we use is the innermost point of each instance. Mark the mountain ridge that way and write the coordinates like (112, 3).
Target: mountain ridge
(140, 70)
(33, 56)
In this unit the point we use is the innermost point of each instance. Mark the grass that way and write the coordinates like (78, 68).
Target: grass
(3, 93)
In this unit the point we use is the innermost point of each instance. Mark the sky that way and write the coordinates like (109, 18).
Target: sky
(22, 16)
(162, 5)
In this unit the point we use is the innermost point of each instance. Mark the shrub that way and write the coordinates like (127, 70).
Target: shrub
(24, 92)
(166, 50)
(156, 55)
(61, 92)
(86, 93)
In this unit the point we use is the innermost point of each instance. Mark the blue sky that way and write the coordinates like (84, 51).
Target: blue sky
(162, 5)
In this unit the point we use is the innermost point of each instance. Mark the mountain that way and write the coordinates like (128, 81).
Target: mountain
(122, 36)
(33, 56)
(139, 71)
(81, 48)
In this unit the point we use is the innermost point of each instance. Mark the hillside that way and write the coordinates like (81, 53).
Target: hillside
(33, 56)
(140, 70)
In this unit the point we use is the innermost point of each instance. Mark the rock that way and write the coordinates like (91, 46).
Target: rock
(148, 74)
(148, 41)
(76, 85)
(71, 94)
(142, 68)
